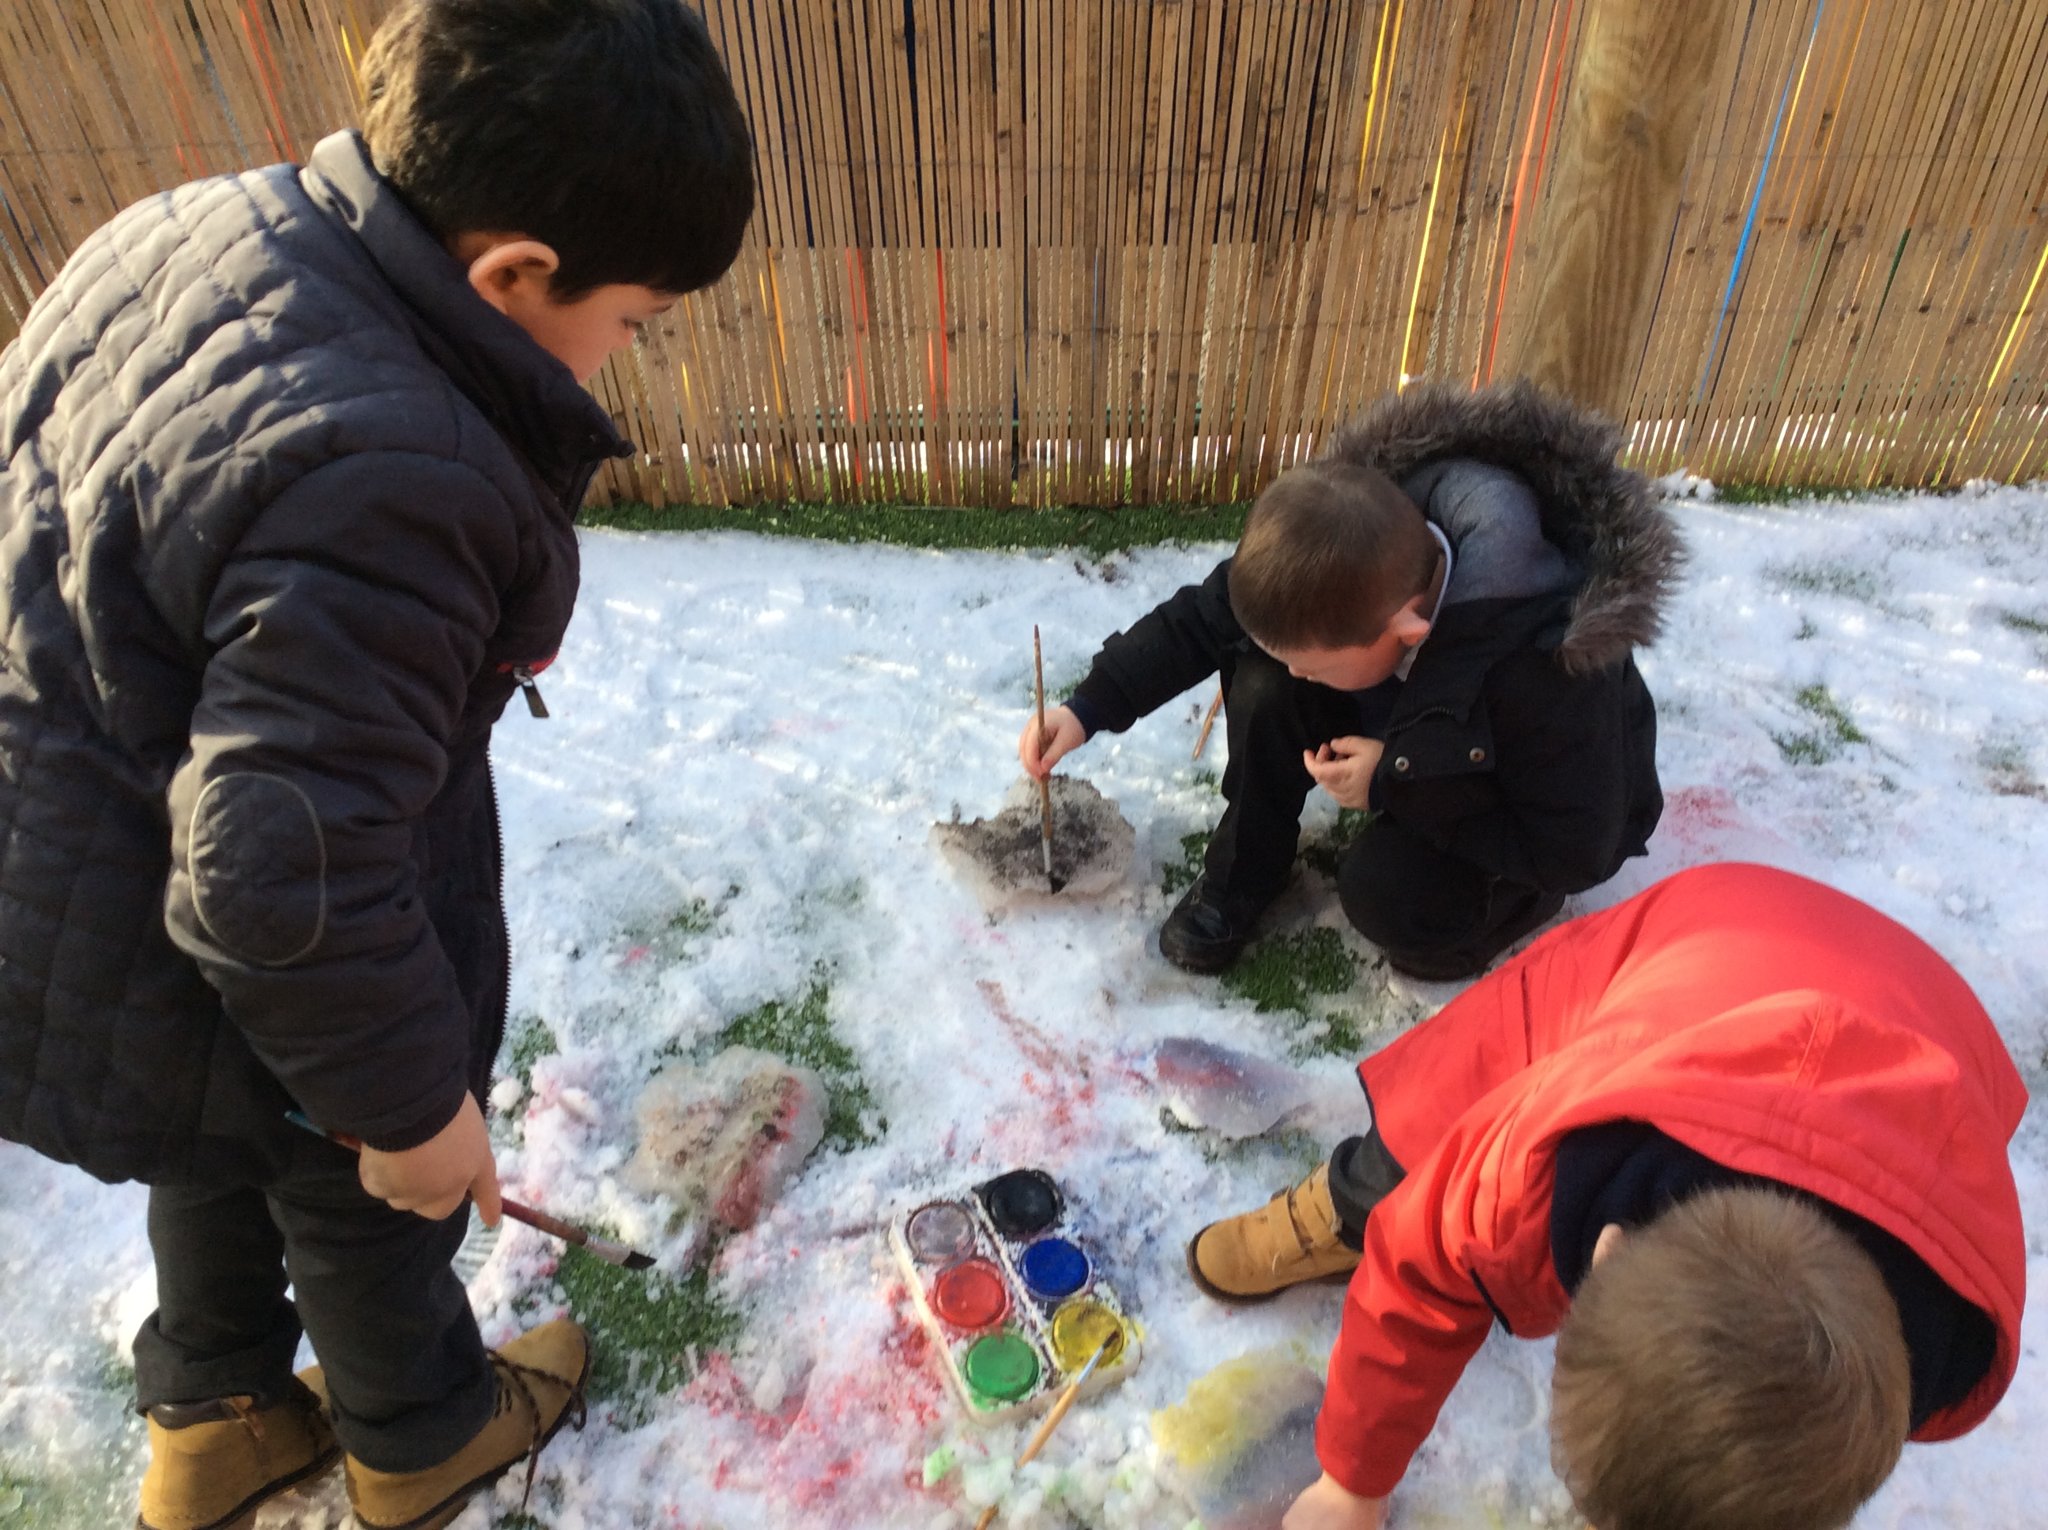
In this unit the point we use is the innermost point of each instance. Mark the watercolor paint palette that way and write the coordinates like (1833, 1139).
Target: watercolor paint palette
(1011, 1295)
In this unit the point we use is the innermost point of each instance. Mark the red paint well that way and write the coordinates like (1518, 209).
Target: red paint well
(970, 1295)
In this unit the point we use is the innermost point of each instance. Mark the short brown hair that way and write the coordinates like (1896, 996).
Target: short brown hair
(1737, 1364)
(1330, 552)
(607, 129)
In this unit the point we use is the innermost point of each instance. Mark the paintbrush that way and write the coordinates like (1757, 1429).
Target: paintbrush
(602, 1248)
(1208, 722)
(1108, 1347)
(1052, 882)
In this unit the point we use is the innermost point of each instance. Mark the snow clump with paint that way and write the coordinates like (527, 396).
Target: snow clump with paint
(722, 838)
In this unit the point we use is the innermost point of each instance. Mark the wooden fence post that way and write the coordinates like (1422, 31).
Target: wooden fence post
(1640, 86)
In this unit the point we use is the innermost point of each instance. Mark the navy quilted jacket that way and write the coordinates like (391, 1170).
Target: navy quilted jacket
(284, 509)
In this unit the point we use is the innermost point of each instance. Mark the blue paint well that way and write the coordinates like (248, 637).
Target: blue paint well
(1053, 1268)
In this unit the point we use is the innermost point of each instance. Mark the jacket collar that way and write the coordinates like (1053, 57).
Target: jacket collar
(1465, 642)
(526, 393)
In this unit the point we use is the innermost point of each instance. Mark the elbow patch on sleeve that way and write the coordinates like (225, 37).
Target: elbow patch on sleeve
(259, 868)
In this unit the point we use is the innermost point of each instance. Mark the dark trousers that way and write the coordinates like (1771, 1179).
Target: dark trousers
(372, 1288)
(1433, 915)
(1362, 1174)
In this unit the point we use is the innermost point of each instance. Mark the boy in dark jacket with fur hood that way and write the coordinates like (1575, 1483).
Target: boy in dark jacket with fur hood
(289, 464)
(1433, 620)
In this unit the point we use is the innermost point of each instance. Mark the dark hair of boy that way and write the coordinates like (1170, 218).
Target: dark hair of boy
(1330, 552)
(606, 129)
(1737, 1364)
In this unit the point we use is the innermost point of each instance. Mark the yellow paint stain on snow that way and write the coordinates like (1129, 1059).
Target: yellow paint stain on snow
(1225, 1410)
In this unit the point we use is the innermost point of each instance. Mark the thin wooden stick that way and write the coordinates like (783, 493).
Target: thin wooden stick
(1044, 782)
(1052, 1420)
(1208, 722)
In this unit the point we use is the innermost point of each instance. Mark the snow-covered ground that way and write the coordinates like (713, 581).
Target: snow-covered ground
(730, 806)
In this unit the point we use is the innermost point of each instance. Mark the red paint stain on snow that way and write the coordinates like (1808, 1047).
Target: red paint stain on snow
(1695, 813)
(739, 1201)
(828, 1444)
(1054, 1077)
(973, 932)
(1039, 1049)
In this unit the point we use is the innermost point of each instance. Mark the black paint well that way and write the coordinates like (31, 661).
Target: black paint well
(1021, 1203)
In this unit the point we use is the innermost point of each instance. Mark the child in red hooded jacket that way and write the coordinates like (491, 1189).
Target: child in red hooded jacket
(1740, 1142)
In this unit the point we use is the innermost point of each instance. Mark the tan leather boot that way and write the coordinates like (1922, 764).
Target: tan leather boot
(1289, 1241)
(213, 1464)
(540, 1386)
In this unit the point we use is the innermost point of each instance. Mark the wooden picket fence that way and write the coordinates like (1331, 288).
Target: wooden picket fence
(1038, 252)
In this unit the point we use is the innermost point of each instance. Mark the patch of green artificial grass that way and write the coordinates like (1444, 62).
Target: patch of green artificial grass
(1099, 531)
(696, 917)
(2014, 621)
(1840, 579)
(527, 1042)
(116, 1375)
(32, 1502)
(1176, 877)
(1288, 1144)
(2007, 768)
(800, 1031)
(1792, 494)
(1326, 850)
(644, 1325)
(1284, 974)
(1819, 745)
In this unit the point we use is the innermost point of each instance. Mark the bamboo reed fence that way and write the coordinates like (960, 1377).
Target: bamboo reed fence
(1038, 252)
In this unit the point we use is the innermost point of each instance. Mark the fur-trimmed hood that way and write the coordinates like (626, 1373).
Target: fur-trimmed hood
(1607, 519)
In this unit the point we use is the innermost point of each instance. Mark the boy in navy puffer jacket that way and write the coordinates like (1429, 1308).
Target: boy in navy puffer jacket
(289, 463)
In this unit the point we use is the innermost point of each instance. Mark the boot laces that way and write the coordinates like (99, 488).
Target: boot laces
(512, 1385)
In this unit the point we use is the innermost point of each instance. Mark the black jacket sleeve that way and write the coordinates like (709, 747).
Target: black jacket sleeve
(345, 630)
(1179, 643)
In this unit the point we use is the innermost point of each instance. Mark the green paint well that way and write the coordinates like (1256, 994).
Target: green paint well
(1001, 1367)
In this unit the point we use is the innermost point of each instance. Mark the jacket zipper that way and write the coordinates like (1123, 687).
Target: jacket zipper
(523, 673)
(504, 934)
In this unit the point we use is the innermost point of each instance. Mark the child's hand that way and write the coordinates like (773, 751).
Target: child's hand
(1327, 1506)
(1343, 768)
(432, 1178)
(1063, 735)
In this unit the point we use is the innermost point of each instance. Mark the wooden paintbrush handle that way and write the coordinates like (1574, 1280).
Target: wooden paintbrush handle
(568, 1232)
(1038, 682)
(1052, 1422)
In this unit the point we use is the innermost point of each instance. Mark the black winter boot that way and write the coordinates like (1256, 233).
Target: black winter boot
(1205, 932)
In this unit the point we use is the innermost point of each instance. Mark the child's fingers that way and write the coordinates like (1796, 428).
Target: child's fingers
(489, 1201)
